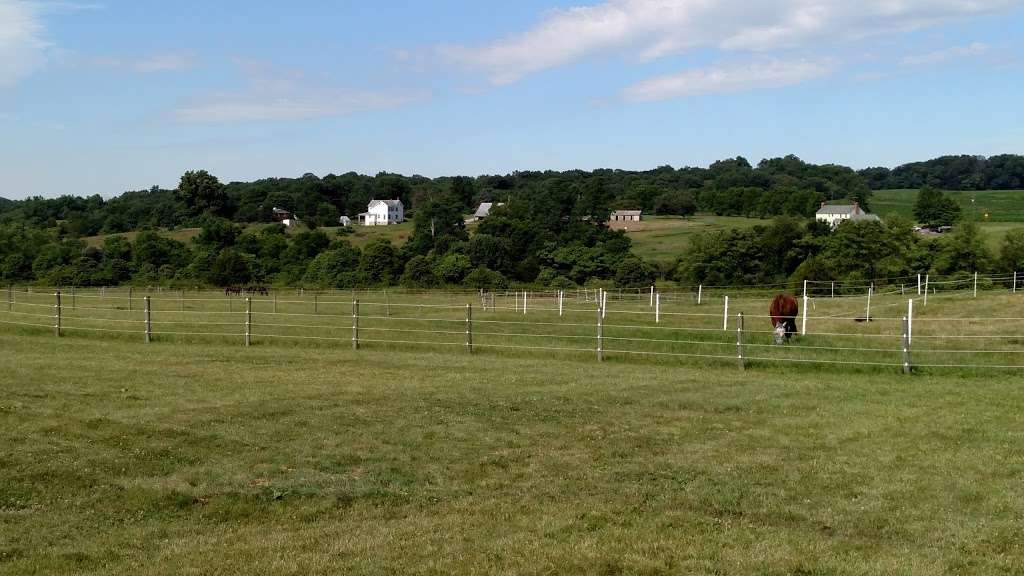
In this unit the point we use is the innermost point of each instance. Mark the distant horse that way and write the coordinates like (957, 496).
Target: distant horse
(232, 290)
(783, 313)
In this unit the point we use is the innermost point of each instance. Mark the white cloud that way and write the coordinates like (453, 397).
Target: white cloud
(945, 55)
(651, 29)
(22, 45)
(725, 79)
(274, 95)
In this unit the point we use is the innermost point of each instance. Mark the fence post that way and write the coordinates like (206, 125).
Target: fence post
(129, 298)
(906, 346)
(919, 284)
(657, 308)
(524, 301)
(910, 321)
(600, 332)
(355, 324)
(867, 313)
(604, 302)
(248, 321)
(561, 301)
(652, 295)
(469, 328)
(700, 293)
(1014, 281)
(725, 315)
(926, 289)
(975, 283)
(146, 316)
(833, 289)
(739, 341)
(803, 321)
(56, 314)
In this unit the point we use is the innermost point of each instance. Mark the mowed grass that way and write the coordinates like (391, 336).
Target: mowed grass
(664, 238)
(212, 458)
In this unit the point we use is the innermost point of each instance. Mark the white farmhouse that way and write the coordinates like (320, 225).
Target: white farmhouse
(382, 213)
(833, 214)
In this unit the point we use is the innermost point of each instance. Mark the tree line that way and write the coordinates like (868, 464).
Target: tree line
(1003, 172)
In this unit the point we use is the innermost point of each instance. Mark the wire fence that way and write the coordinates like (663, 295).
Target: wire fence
(963, 326)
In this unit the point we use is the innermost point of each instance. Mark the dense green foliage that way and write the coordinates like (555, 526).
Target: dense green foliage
(1003, 172)
(550, 231)
(934, 209)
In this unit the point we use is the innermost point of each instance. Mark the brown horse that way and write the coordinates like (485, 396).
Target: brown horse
(783, 313)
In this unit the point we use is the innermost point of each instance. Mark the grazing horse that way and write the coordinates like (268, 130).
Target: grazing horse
(232, 290)
(783, 313)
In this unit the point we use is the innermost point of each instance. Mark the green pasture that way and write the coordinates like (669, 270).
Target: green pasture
(664, 238)
(197, 455)
(999, 205)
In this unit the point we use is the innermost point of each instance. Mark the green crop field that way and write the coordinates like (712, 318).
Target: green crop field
(663, 238)
(197, 455)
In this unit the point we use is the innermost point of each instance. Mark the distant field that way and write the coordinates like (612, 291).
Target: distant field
(307, 457)
(999, 205)
(665, 237)
(362, 235)
(181, 235)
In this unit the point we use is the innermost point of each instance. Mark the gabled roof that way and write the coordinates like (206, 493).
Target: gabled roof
(485, 208)
(389, 203)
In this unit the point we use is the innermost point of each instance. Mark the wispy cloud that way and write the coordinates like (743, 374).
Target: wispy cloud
(945, 55)
(164, 62)
(649, 29)
(275, 95)
(22, 43)
(725, 79)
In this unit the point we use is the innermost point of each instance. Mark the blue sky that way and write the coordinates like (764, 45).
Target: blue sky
(107, 96)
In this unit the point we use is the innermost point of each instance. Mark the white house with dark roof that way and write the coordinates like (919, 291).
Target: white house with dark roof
(834, 214)
(382, 213)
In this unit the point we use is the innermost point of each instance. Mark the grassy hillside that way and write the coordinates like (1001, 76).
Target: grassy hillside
(181, 235)
(999, 205)
(666, 237)
(166, 459)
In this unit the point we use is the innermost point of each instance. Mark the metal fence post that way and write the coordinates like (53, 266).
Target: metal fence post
(355, 324)
(146, 316)
(604, 302)
(652, 296)
(907, 368)
(56, 313)
(867, 312)
(657, 308)
(248, 321)
(739, 342)
(975, 283)
(600, 333)
(561, 301)
(918, 284)
(700, 293)
(803, 321)
(469, 328)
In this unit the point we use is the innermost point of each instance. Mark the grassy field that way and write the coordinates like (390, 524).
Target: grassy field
(1000, 205)
(181, 235)
(666, 237)
(212, 458)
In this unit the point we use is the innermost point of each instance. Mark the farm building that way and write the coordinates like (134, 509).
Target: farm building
(284, 217)
(833, 214)
(626, 216)
(484, 209)
(382, 213)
